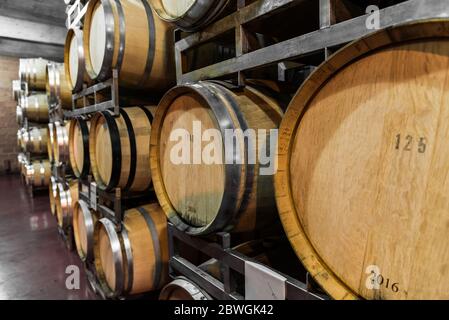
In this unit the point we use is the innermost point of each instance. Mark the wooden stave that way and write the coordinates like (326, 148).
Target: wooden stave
(118, 180)
(85, 128)
(35, 108)
(124, 253)
(185, 287)
(198, 16)
(400, 34)
(42, 168)
(57, 86)
(90, 219)
(224, 219)
(115, 57)
(82, 76)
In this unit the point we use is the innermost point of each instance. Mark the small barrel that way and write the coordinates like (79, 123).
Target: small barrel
(53, 192)
(33, 71)
(35, 108)
(118, 147)
(84, 220)
(57, 86)
(74, 62)
(38, 174)
(189, 15)
(127, 36)
(61, 142)
(183, 289)
(79, 147)
(36, 141)
(135, 260)
(226, 189)
(66, 197)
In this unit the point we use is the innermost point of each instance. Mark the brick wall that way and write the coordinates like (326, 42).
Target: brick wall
(9, 68)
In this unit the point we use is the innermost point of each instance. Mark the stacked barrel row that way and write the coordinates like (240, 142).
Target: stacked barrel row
(361, 162)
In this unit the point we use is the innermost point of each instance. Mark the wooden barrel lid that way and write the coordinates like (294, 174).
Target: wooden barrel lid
(361, 186)
(103, 150)
(196, 203)
(177, 8)
(97, 38)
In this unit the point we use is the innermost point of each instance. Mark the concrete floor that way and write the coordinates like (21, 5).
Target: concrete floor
(33, 258)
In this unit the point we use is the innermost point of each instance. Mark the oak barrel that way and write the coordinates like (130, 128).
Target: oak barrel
(126, 35)
(61, 142)
(135, 260)
(361, 186)
(183, 289)
(83, 223)
(189, 15)
(119, 149)
(35, 108)
(79, 147)
(74, 61)
(33, 71)
(36, 141)
(227, 192)
(58, 87)
(38, 173)
(66, 197)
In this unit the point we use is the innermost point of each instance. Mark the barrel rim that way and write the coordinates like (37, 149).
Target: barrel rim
(84, 128)
(187, 285)
(195, 17)
(89, 226)
(64, 205)
(78, 33)
(411, 31)
(235, 174)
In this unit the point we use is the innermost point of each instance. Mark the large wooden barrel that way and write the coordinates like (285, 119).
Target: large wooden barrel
(74, 62)
(58, 86)
(84, 220)
(189, 15)
(118, 147)
(230, 191)
(35, 108)
(36, 141)
(135, 260)
(79, 147)
(125, 35)
(183, 289)
(361, 186)
(61, 142)
(33, 71)
(38, 173)
(66, 198)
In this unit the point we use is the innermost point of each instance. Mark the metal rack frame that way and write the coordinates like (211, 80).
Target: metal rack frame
(75, 14)
(233, 261)
(329, 35)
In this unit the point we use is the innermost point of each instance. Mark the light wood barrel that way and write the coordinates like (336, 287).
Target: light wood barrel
(53, 192)
(118, 147)
(33, 71)
(136, 260)
(74, 62)
(79, 147)
(127, 36)
(38, 173)
(66, 197)
(202, 197)
(84, 220)
(189, 15)
(19, 115)
(61, 142)
(361, 186)
(183, 289)
(58, 86)
(36, 141)
(35, 108)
